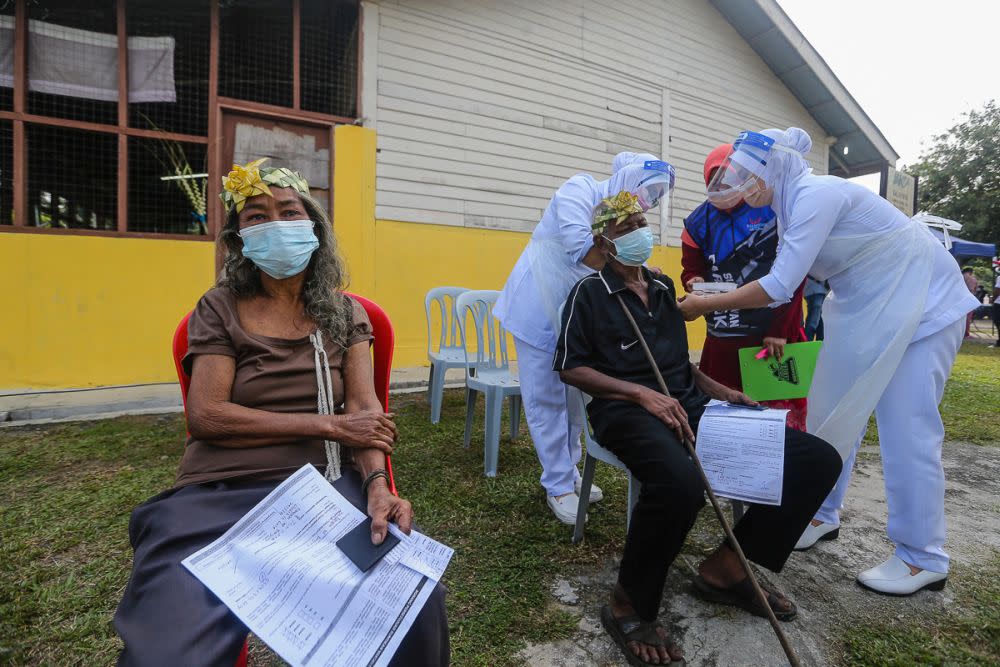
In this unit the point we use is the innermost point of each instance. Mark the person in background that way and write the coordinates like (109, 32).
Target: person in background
(738, 245)
(560, 252)
(996, 309)
(973, 284)
(815, 294)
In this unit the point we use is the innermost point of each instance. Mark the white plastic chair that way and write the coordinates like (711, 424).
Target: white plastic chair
(597, 453)
(449, 353)
(487, 371)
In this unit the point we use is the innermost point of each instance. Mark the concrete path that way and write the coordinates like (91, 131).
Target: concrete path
(821, 580)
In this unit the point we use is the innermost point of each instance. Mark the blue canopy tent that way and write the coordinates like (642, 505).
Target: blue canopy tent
(963, 248)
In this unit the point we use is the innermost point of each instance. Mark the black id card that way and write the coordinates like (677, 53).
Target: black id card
(357, 545)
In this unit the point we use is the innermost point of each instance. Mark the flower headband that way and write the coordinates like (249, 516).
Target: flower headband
(251, 180)
(614, 209)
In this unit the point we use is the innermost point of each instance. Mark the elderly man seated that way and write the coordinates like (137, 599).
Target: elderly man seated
(599, 352)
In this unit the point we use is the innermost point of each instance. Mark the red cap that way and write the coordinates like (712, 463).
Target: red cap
(715, 160)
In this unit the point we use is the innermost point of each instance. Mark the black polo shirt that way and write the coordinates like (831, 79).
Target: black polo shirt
(596, 334)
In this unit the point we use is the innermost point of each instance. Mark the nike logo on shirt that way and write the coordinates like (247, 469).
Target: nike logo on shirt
(625, 347)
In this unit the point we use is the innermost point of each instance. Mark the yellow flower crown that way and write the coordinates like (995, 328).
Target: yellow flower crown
(614, 209)
(251, 180)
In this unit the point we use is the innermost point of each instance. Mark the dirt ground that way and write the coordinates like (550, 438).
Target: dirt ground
(821, 581)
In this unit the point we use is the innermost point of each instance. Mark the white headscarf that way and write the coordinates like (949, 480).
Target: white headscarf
(626, 158)
(785, 167)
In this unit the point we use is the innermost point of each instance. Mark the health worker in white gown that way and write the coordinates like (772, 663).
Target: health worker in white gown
(894, 323)
(561, 252)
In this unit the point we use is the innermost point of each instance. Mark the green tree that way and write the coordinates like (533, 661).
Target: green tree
(960, 174)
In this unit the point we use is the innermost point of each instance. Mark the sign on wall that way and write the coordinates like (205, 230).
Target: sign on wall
(900, 189)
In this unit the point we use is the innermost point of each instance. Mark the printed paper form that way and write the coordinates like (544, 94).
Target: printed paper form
(743, 452)
(279, 570)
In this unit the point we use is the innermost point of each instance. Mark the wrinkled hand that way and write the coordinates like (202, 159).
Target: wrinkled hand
(775, 346)
(669, 411)
(694, 306)
(384, 507)
(365, 429)
(737, 398)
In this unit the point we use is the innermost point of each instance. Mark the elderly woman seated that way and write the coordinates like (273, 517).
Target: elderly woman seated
(276, 325)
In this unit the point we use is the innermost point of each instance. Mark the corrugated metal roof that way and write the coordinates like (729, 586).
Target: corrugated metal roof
(769, 31)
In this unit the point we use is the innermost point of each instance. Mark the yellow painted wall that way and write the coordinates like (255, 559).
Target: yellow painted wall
(83, 311)
(413, 258)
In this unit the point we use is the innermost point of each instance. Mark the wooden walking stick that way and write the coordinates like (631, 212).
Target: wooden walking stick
(793, 659)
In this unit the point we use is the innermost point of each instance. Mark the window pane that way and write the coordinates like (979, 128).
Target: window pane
(328, 62)
(177, 103)
(255, 51)
(72, 178)
(172, 206)
(7, 42)
(6, 172)
(73, 60)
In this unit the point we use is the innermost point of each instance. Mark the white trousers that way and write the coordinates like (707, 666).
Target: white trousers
(910, 435)
(556, 435)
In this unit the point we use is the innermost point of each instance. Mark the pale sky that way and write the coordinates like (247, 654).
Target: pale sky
(914, 66)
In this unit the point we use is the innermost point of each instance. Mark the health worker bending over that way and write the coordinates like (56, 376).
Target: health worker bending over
(894, 322)
(560, 253)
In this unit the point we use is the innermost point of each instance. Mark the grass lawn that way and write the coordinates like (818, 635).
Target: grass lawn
(66, 492)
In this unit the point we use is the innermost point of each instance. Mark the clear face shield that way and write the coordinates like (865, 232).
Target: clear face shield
(738, 175)
(656, 187)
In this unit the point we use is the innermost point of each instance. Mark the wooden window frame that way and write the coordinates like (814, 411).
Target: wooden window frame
(20, 118)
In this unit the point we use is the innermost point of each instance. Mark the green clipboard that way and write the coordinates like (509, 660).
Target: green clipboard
(771, 380)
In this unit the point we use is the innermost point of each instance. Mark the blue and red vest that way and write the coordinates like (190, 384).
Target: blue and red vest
(739, 247)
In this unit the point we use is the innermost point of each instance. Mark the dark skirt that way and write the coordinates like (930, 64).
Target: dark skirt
(167, 617)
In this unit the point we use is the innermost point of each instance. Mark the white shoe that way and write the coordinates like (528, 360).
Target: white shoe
(813, 534)
(893, 578)
(596, 495)
(564, 508)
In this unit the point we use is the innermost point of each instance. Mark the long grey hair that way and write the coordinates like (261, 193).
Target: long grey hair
(326, 275)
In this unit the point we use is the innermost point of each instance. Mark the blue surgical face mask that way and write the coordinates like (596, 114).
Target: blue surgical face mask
(635, 247)
(282, 248)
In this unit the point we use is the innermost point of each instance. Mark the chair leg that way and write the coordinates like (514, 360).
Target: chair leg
(634, 488)
(494, 417)
(437, 392)
(515, 416)
(470, 413)
(739, 509)
(584, 503)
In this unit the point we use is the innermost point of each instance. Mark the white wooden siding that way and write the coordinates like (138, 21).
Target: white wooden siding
(485, 107)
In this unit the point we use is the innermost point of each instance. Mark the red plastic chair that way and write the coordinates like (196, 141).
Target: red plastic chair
(382, 349)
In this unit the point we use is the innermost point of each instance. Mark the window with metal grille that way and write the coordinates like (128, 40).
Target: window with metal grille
(178, 29)
(73, 60)
(72, 178)
(167, 187)
(6, 172)
(328, 57)
(7, 50)
(255, 51)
